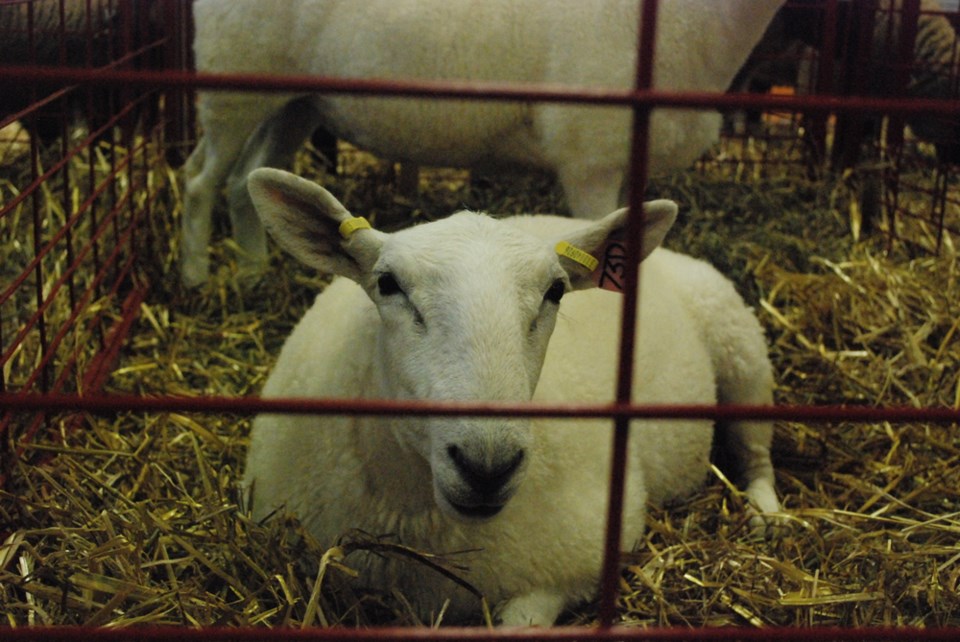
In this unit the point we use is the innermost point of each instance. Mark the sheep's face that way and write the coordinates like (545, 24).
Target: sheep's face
(467, 307)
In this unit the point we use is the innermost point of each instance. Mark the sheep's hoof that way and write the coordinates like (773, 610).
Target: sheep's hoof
(768, 526)
(194, 274)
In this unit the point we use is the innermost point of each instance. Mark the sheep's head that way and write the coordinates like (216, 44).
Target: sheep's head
(467, 305)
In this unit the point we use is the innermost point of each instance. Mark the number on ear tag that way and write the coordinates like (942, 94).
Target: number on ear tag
(613, 259)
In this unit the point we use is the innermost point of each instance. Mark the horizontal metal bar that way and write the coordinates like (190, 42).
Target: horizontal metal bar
(114, 403)
(477, 90)
(478, 634)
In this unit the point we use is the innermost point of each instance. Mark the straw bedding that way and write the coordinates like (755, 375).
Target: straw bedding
(138, 519)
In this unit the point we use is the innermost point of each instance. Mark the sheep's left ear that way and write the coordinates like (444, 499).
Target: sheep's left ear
(602, 241)
(312, 225)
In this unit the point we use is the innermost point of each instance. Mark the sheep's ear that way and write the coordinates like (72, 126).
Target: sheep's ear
(603, 241)
(306, 219)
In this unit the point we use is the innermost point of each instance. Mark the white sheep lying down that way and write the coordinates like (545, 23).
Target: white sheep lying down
(475, 308)
(700, 47)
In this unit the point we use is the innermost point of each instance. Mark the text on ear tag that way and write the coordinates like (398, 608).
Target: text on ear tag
(613, 259)
(577, 255)
(351, 225)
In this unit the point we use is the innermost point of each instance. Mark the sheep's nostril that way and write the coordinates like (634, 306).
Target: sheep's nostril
(454, 453)
(485, 479)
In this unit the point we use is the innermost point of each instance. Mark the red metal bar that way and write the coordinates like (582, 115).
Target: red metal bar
(91, 289)
(179, 102)
(478, 634)
(109, 404)
(478, 90)
(70, 88)
(637, 177)
(905, 64)
(825, 83)
(858, 57)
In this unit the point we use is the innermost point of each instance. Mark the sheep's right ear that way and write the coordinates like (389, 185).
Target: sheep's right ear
(602, 241)
(306, 220)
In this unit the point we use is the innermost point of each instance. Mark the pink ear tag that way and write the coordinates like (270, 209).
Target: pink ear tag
(613, 260)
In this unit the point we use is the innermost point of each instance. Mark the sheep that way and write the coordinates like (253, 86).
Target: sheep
(74, 33)
(784, 52)
(700, 47)
(464, 308)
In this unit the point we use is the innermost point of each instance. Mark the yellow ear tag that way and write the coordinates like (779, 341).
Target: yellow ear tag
(577, 255)
(351, 225)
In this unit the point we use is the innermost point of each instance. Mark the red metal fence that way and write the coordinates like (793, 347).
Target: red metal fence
(76, 209)
(80, 256)
(874, 49)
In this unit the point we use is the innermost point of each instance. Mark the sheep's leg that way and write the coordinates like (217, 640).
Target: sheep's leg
(744, 377)
(226, 121)
(206, 170)
(537, 608)
(588, 147)
(196, 223)
(273, 144)
(592, 192)
(747, 443)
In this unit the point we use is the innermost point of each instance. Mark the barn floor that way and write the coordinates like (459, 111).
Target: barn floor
(138, 518)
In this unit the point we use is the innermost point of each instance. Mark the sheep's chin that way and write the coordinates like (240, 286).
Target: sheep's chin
(467, 513)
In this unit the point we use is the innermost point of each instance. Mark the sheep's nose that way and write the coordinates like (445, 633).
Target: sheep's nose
(485, 479)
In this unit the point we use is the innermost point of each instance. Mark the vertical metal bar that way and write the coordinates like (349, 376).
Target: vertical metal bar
(906, 45)
(132, 36)
(177, 34)
(125, 10)
(35, 202)
(95, 94)
(637, 183)
(904, 62)
(65, 116)
(825, 78)
(850, 128)
(938, 205)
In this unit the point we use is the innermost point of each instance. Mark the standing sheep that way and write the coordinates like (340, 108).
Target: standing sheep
(72, 33)
(700, 46)
(464, 309)
(785, 55)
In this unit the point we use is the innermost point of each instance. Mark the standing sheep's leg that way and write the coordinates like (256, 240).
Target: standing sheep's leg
(273, 144)
(226, 121)
(196, 223)
(207, 168)
(588, 147)
(592, 192)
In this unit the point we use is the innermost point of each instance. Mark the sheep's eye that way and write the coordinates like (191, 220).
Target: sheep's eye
(387, 285)
(555, 293)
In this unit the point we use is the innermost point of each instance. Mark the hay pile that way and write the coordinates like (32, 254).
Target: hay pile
(139, 520)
